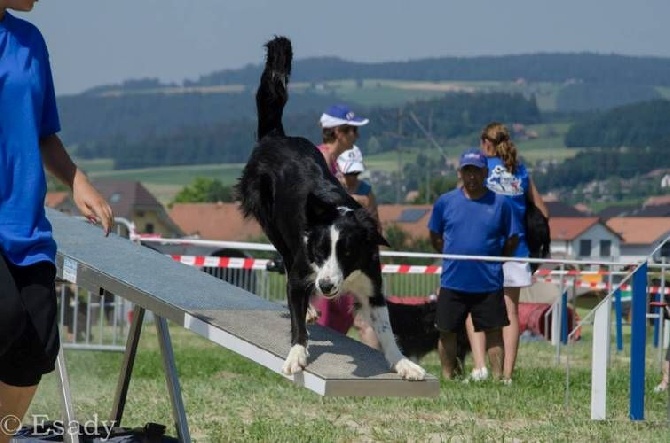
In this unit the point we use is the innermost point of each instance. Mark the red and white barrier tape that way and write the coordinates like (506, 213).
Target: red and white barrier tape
(222, 262)
(261, 264)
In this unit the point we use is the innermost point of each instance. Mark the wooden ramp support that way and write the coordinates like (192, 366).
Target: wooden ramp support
(225, 314)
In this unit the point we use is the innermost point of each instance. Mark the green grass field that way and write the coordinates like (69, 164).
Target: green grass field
(174, 175)
(383, 92)
(229, 398)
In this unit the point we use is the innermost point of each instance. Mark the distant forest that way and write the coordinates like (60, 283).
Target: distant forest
(231, 142)
(554, 68)
(637, 125)
(626, 141)
(611, 101)
(145, 108)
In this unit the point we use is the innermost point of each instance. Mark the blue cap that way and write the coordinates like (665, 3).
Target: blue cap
(473, 157)
(338, 115)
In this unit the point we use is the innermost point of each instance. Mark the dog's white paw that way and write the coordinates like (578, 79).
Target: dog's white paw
(409, 370)
(296, 360)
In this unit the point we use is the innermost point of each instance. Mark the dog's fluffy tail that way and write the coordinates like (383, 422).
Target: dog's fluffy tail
(272, 93)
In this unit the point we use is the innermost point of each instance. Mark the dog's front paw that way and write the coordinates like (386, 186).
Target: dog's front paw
(296, 360)
(409, 370)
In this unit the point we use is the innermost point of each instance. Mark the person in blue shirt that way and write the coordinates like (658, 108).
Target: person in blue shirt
(508, 177)
(472, 220)
(29, 339)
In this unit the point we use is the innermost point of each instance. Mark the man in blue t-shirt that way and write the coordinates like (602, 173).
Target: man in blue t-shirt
(29, 340)
(472, 221)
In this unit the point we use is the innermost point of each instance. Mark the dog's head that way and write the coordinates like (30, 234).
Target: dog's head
(345, 253)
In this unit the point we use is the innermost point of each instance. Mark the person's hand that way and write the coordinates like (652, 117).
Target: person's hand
(91, 204)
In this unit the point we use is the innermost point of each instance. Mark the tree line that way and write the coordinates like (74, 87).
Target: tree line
(637, 125)
(141, 108)
(555, 68)
(625, 142)
(231, 142)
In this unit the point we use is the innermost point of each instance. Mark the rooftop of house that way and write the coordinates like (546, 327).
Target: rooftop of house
(657, 200)
(413, 219)
(640, 230)
(655, 210)
(126, 196)
(569, 228)
(560, 209)
(618, 211)
(214, 221)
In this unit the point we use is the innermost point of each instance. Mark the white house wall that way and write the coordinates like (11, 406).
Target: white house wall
(596, 233)
(561, 248)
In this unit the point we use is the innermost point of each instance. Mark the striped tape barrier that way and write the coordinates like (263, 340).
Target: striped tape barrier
(261, 264)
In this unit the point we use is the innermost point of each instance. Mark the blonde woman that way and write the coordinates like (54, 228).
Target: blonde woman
(509, 177)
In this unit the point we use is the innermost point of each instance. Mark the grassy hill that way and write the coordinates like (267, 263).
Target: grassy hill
(165, 182)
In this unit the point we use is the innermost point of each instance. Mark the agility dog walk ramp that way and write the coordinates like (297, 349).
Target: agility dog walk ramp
(225, 314)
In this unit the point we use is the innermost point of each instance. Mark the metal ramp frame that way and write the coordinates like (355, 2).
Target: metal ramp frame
(212, 308)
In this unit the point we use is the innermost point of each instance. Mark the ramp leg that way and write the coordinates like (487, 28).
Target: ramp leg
(66, 399)
(178, 411)
(127, 367)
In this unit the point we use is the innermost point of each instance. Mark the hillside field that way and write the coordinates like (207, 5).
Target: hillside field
(165, 182)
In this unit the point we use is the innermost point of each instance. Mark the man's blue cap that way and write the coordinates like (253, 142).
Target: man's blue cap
(338, 115)
(473, 157)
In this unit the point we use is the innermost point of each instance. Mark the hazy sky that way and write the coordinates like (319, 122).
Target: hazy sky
(94, 42)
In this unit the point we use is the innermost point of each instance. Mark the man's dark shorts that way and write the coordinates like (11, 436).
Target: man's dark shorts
(29, 340)
(487, 309)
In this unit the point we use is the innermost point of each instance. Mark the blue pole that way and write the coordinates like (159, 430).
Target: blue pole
(564, 318)
(638, 342)
(619, 320)
(657, 320)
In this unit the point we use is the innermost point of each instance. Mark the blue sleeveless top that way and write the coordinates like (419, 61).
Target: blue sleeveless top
(363, 188)
(514, 187)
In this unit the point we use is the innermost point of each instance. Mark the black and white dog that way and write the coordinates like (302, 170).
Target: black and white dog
(413, 323)
(329, 243)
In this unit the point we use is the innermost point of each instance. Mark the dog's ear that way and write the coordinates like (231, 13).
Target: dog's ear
(380, 240)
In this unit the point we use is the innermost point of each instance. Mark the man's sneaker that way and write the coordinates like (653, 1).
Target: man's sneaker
(480, 374)
(661, 388)
(506, 381)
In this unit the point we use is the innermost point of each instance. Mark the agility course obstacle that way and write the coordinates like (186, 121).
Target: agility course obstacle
(235, 319)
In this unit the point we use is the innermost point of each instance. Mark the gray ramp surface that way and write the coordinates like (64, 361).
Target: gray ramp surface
(225, 314)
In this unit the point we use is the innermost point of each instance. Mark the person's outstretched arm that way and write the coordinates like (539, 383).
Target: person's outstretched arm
(89, 202)
(537, 199)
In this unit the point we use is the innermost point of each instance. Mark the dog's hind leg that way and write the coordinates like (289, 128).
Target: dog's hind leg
(298, 299)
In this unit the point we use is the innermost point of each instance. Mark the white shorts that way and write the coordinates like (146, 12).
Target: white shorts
(517, 274)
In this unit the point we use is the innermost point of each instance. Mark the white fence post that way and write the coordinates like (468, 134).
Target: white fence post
(600, 347)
